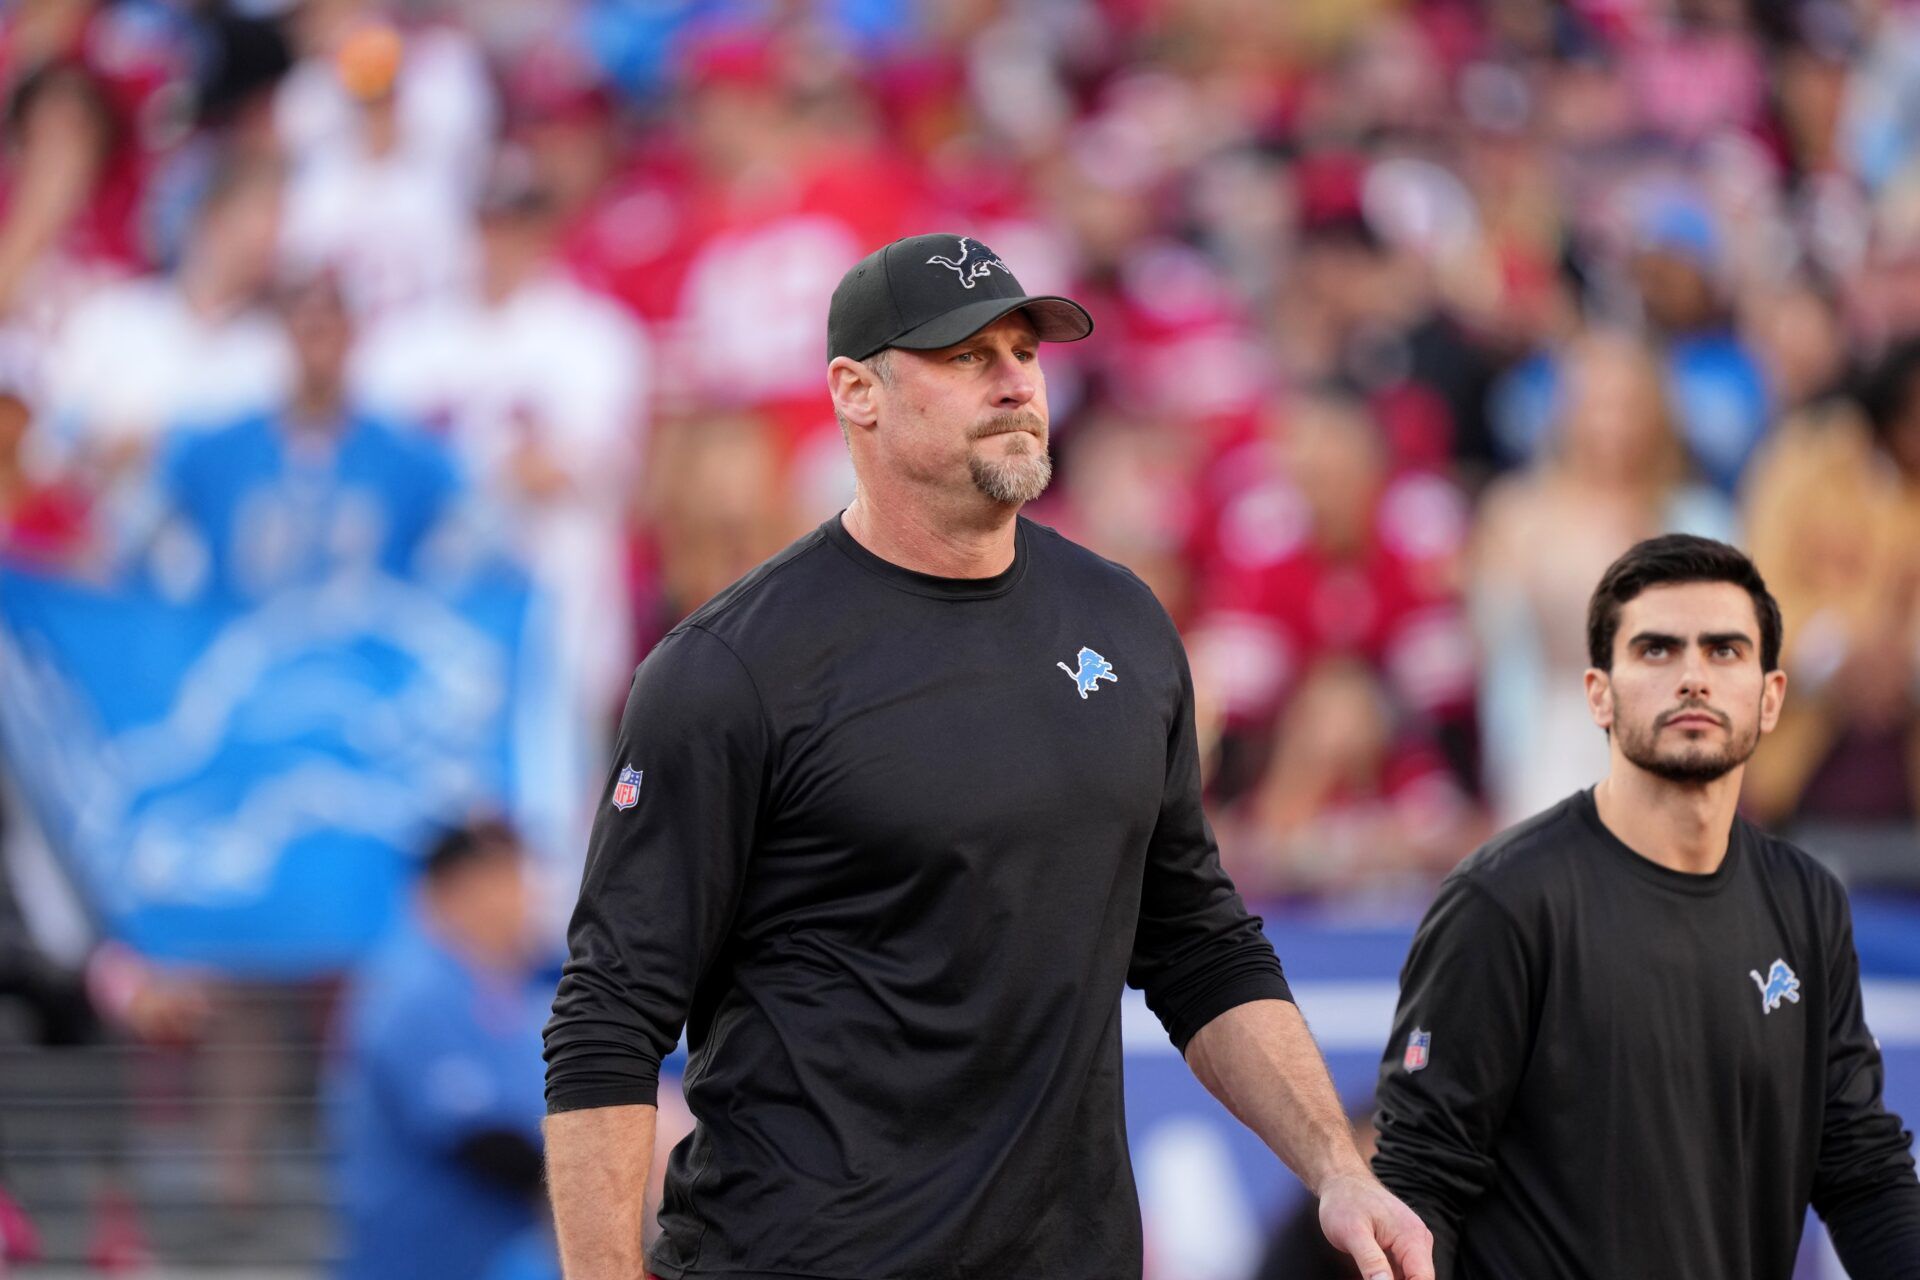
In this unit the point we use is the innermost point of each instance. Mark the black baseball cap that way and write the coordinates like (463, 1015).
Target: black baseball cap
(928, 292)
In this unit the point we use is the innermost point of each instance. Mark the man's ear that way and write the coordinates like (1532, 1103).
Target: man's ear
(1773, 696)
(853, 387)
(1600, 697)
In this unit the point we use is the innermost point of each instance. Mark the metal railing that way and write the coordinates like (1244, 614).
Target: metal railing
(206, 1155)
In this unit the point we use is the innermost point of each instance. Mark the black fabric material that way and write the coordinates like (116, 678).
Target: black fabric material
(1607, 1093)
(54, 995)
(503, 1158)
(893, 871)
(927, 292)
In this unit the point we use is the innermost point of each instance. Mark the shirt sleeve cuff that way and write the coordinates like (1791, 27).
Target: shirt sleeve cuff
(1262, 983)
(580, 1090)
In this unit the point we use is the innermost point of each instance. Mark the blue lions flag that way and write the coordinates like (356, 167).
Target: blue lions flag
(243, 786)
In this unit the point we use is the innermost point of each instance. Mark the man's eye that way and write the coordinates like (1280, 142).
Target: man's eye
(1726, 651)
(1654, 651)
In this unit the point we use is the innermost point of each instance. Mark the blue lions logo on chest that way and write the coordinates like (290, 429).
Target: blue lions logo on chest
(1779, 984)
(1093, 669)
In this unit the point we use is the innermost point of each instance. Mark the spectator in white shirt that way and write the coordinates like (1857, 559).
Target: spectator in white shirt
(542, 386)
(386, 130)
(192, 349)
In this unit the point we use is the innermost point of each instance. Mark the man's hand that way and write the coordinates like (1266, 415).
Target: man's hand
(1364, 1220)
(1259, 1059)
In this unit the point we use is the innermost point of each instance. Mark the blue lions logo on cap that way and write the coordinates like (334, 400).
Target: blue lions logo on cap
(978, 269)
(1093, 669)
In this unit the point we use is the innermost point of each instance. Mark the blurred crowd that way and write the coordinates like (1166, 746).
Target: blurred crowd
(1409, 317)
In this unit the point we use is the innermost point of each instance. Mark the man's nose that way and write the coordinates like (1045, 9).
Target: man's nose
(1017, 384)
(1693, 677)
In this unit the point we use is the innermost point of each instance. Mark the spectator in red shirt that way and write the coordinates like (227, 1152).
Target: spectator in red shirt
(80, 80)
(1354, 798)
(778, 190)
(1322, 553)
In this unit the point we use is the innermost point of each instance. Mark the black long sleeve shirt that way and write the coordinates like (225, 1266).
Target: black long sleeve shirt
(896, 845)
(1622, 1070)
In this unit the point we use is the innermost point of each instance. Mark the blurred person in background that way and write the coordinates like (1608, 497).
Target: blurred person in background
(181, 351)
(1344, 282)
(1879, 129)
(434, 1092)
(1824, 510)
(1365, 303)
(569, 125)
(1129, 497)
(311, 490)
(1613, 472)
(1892, 400)
(715, 505)
(244, 54)
(1718, 394)
(542, 388)
(1354, 802)
(1312, 548)
(1694, 71)
(387, 130)
(1800, 340)
(1171, 310)
(783, 176)
(1882, 286)
(422, 61)
(1834, 510)
(618, 192)
(82, 87)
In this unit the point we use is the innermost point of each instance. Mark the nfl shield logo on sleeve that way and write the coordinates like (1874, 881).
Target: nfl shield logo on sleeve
(626, 792)
(1416, 1055)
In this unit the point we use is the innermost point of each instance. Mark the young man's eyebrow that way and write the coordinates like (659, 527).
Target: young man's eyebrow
(1706, 639)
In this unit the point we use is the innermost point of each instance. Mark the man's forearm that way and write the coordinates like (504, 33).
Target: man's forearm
(597, 1178)
(1260, 1060)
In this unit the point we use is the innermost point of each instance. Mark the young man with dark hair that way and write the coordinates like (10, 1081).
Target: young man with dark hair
(1630, 1039)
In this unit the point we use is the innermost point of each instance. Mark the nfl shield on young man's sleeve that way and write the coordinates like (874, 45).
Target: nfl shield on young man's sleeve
(1416, 1055)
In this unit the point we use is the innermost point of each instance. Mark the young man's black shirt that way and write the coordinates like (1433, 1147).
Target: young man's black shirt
(896, 844)
(1621, 1070)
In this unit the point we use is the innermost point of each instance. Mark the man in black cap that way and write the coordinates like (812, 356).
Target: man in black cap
(890, 823)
